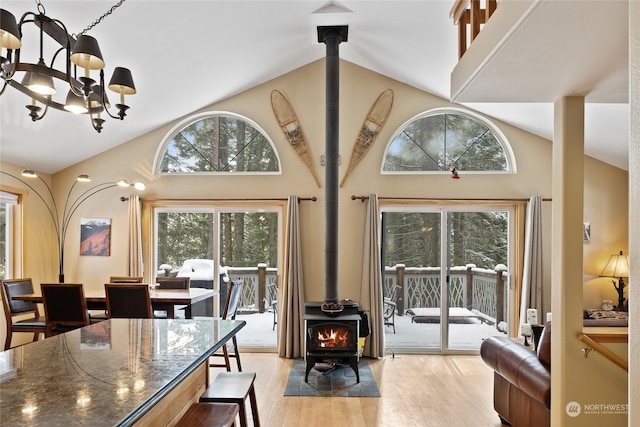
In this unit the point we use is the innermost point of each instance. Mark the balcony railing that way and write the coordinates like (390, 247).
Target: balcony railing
(469, 15)
(480, 290)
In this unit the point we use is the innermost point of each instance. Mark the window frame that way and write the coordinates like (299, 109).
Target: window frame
(168, 137)
(497, 133)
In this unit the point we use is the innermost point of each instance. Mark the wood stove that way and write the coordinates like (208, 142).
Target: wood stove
(332, 337)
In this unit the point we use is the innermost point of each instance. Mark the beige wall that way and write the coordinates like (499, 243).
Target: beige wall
(305, 90)
(605, 207)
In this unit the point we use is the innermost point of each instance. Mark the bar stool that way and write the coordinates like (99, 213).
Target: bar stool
(234, 387)
(209, 415)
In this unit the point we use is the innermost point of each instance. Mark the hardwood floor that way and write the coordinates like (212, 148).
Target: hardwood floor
(416, 390)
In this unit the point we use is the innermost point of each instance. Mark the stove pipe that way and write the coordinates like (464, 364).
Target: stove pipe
(332, 36)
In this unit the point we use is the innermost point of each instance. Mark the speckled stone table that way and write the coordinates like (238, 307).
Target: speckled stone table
(120, 372)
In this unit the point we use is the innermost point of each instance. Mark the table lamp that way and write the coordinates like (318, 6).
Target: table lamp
(618, 266)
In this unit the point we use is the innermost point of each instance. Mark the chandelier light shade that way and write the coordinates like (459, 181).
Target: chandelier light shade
(86, 53)
(618, 267)
(70, 66)
(9, 33)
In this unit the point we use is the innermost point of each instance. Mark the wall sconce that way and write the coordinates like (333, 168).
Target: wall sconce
(71, 204)
(618, 266)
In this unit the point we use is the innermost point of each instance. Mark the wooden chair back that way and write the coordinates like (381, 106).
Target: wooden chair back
(233, 300)
(130, 301)
(64, 307)
(125, 279)
(173, 282)
(27, 311)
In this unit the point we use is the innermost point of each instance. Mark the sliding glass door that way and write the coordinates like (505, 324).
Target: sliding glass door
(215, 244)
(445, 276)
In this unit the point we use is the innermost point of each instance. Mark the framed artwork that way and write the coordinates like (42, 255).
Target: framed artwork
(95, 236)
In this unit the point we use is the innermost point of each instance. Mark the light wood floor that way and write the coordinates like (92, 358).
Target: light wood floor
(416, 390)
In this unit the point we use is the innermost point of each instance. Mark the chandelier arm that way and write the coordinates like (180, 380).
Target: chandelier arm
(33, 109)
(104, 100)
(4, 86)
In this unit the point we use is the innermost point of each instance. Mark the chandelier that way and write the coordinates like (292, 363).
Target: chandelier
(76, 57)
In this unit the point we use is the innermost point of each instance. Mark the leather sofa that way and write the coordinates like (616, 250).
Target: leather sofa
(522, 379)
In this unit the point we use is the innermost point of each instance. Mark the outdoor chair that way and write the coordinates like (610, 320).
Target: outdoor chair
(15, 311)
(229, 313)
(65, 308)
(130, 301)
(389, 307)
(271, 301)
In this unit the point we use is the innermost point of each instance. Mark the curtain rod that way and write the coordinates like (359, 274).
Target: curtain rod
(275, 199)
(363, 198)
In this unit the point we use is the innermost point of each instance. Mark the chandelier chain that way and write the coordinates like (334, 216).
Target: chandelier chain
(107, 13)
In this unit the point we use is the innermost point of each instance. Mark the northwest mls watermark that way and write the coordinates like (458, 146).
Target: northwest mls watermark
(573, 409)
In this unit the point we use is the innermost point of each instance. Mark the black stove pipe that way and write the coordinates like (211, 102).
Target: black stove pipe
(332, 37)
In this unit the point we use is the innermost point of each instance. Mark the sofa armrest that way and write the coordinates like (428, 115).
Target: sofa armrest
(519, 365)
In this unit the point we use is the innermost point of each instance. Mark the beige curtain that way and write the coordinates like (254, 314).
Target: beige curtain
(291, 299)
(135, 236)
(532, 274)
(371, 288)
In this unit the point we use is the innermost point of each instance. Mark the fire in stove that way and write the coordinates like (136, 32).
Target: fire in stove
(330, 338)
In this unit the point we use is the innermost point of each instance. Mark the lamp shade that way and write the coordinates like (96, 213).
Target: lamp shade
(122, 81)
(9, 34)
(39, 83)
(75, 103)
(618, 266)
(86, 53)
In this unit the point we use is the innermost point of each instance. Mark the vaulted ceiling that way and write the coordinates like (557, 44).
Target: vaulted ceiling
(185, 55)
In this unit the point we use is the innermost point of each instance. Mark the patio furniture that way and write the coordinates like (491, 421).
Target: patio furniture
(389, 314)
(15, 311)
(389, 306)
(272, 302)
(522, 379)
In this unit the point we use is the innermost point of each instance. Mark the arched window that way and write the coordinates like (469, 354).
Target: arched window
(217, 143)
(437, 140)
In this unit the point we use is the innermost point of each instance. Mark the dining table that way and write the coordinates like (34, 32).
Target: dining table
(120, 372)
(161, 299)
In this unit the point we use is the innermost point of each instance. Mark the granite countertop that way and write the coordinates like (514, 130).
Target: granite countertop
(108, 373)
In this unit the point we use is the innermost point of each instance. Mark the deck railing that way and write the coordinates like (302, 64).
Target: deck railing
(480, 290)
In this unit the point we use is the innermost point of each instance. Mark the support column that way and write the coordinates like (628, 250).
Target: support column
(566, 263)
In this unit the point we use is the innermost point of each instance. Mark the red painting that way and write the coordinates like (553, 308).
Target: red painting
(95, 236)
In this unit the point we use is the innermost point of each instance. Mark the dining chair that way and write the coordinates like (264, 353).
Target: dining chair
(100, 315)
(173, 282)
(65, 308)
(129, 300)
(229, 313)
(177, 283)
(15, 311)
(125, 279)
